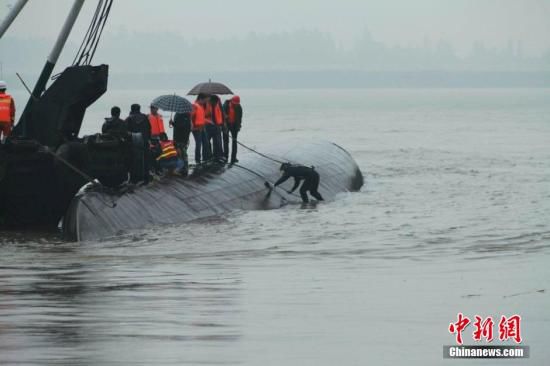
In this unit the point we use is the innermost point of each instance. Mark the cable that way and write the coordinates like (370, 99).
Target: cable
(252, 171)
(88, 178)
(104, 17)
(269, 184)
(91, 39)
(86, 39)
(72, 167)
(257, 152)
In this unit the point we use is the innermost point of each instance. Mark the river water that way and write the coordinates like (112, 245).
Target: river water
(454, 217)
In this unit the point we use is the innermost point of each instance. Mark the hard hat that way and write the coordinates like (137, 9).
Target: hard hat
(3, 84)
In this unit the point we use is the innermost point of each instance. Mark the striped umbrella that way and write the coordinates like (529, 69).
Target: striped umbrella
(173, 103)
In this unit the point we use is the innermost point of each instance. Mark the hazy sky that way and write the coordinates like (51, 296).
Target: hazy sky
(393, 22)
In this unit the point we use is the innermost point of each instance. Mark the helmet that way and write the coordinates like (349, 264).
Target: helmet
(3, 84)
(236, 99)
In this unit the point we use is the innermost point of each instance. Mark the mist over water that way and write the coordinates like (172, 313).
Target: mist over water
(454, 217)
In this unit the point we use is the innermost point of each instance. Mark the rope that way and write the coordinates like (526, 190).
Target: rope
(257, 152)
(91, 39)
(256, 173)
(104, 17)
(72, 167)
(89, 44)
(269, 184)
(88, 178)
(87, 37)
(253, 172)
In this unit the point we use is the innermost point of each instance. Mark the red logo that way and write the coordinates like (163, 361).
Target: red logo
(484, 328)
(508, 328)
(458, 327)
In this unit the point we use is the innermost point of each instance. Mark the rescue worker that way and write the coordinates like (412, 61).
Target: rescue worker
(214, 119)
(168, 156)
(138, 122)
(7, 112)
(182, 131)
(299, 173)
(114, 125)
(198, 121)
(233, 120)
(156, 122)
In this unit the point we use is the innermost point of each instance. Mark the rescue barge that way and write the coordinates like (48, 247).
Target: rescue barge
(44, 164)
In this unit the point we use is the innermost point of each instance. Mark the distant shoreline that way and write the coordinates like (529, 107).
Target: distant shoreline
(330, 79)
(339, 79)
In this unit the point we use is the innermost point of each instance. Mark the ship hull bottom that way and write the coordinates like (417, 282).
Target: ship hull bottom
(97, 214)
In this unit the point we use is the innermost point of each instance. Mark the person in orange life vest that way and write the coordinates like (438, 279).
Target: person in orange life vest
(214, 118)
(156, 122)
(233, 119)
(198, 121)
(167, 158)
(7, 112)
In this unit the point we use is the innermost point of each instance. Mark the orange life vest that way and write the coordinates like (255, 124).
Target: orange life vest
(157, 124)
(197, 117)
(168, 150)
(218, 114)
(231, 114)
(7, 108)
(208, 112)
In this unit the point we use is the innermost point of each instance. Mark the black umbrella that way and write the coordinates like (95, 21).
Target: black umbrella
(210, 88)
(173, 103)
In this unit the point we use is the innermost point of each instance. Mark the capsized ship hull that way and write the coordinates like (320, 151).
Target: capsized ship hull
(96, 214)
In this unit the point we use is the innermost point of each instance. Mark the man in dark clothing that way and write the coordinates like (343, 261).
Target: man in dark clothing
(114, 125)
(138, 122)
(233, 116)
(299, 173)
(182, 131)
(182, 128)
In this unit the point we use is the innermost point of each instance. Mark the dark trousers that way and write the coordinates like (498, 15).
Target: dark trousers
(182, 143)
(213, 134)
(183, 139)
(206, 148)
(311, 184)
(198, 137)
(234, 132)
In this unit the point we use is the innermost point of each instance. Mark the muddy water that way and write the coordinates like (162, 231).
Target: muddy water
(454, 218)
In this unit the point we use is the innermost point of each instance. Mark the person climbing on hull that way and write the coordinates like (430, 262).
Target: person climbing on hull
(307, 174)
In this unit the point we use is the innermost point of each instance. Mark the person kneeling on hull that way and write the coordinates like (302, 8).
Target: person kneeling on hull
(167, 158)
(299, 173)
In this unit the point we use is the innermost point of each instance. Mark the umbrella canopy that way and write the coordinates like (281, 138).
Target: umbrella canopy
(173, 103)
(210, 88)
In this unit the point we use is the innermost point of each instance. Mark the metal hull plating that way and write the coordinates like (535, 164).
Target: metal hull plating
(95, 214)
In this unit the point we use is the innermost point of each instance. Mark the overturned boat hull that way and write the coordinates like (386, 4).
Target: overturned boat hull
(96, 214)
